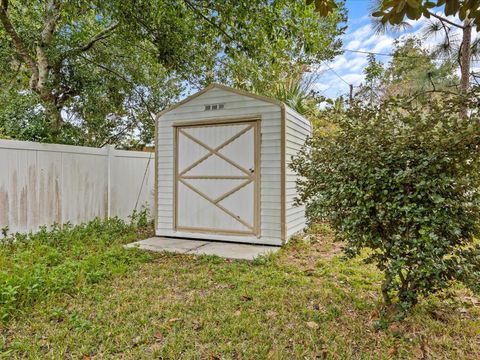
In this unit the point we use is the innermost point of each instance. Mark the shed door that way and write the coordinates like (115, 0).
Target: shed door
(217, 178)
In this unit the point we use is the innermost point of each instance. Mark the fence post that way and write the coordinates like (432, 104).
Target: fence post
(110, 155)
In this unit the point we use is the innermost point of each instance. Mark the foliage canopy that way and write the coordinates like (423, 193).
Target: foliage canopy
(411, 71)
(98, 71)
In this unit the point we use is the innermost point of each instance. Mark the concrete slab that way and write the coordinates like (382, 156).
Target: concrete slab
(234, 250)
(201, 247)
(159, 244)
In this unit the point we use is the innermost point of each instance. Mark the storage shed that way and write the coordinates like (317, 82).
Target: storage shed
(222, 171)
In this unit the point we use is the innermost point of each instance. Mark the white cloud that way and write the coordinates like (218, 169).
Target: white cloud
(353, 78)
(339, 63)
(353, 45)
(383, 44)
(357, 63)
(359, 34)
(320, 87)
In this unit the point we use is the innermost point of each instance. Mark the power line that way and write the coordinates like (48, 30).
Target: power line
(391, 55)
(333, 71)
(382, 54)
(373, 53)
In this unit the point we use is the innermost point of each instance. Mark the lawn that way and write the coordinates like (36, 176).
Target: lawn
(305, 302)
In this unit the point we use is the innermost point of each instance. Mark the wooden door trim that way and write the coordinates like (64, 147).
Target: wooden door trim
(215, 151)
(217, 121)
(255, 177)
(206, 197)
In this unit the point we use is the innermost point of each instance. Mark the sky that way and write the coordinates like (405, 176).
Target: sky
(360, 36)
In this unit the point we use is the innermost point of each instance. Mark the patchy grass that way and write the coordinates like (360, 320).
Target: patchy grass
(62, 261)
(305, 302)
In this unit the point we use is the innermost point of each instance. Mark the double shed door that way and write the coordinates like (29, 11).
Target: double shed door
(217, 178)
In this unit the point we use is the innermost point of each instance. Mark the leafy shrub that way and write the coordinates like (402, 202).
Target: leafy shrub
(403, 181)
(141, 217)
(38, 266)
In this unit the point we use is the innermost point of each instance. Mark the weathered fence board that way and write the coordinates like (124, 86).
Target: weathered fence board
(42, 184)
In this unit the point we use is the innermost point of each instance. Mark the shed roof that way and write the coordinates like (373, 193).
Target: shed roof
(226, 88)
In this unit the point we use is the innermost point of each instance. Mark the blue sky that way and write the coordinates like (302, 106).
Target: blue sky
(360, 36)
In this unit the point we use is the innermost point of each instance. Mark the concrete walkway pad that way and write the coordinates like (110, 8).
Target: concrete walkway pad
(202, 247)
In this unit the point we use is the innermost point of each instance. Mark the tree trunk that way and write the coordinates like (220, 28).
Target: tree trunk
(465, 55)
(55, 115)
(386, 289)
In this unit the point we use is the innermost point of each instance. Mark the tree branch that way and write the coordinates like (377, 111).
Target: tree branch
(446, 31)
(420, 93)
(50, 23)
(122, 77)
(43, 62)
(100, 36)
(19, 45)
(214, 24)
(441, 18)
(429, 74)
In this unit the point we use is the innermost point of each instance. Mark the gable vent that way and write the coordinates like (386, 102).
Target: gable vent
(211, 107)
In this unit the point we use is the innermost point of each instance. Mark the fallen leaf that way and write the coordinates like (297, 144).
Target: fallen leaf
(394, 328)
(392, 350)
(245, 298)
(197, 325)
(174, 320)
(158, 336)
(309, 272)
(237, 313)
(156, 346)
(418, 353)
(324, 353)
(312, 325)
(271, 313)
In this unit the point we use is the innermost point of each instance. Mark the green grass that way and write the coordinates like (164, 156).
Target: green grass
(305, 302)
(62, 261)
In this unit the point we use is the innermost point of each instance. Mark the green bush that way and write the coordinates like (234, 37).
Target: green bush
(63, 260)
(402, 180)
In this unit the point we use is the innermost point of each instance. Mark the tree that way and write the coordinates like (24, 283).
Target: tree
(103, 68)
(278, 46)
(373, 72)
(401, 179)
(412, 71)
(294, 93)
(72, 55)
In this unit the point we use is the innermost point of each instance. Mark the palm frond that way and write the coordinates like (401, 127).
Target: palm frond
(381, 28)
(448, 48)
(434, 28)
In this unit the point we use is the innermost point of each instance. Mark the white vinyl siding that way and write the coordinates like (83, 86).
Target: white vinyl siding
(297, 129)
(235, 105)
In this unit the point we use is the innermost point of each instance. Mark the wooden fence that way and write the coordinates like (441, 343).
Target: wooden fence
(42, 184)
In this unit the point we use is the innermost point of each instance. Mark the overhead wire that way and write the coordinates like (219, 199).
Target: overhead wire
(379, 54)
(336, 74)
(391, 55)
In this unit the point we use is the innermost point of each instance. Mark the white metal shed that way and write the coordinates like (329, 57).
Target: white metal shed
(222, 169)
